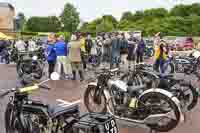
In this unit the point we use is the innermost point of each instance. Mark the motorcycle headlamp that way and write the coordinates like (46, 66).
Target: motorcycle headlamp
(34, 58)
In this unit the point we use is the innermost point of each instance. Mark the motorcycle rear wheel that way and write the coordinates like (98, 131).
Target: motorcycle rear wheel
(172, 123)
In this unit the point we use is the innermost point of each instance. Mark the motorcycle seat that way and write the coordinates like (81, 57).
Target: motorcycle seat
(56, 110)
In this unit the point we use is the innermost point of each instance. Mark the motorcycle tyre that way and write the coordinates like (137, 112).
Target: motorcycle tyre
(172, 124)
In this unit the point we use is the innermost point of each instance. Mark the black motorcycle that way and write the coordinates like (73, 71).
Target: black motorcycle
(132, 103)
(187, 64)
(181, 88)
(29, 67)
(24, 115)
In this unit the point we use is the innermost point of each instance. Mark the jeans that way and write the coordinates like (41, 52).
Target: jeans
(139, 57)
(83, 58)
(51, 67)
(160, 64)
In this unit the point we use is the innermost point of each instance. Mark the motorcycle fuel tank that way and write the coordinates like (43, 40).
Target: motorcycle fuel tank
(118, 84)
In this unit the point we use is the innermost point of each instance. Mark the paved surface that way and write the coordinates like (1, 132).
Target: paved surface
(72, 91)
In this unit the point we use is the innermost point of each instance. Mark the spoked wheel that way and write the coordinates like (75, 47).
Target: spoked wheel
(190, 97)
(169, 68)
(94, 102)
(163, 105)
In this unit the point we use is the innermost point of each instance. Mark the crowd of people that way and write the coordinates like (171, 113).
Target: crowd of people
(69, 57)
(72, 56)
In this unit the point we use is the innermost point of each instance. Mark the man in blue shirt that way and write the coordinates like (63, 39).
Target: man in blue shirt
(61, 53)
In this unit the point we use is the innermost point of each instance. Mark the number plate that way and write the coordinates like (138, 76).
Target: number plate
(111, 127)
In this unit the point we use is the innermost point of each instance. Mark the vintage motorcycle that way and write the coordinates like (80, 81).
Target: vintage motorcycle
(24, 115)
(29, 67)
(152, 107)
(179, 87)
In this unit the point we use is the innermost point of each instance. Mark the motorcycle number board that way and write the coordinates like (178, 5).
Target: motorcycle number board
(111, 126)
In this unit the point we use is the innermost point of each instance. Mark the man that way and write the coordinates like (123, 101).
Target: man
(75, 57)
(32, 45)
(106, 48)
(140, 50)
(61, 49)
(83, 51)
(88, 44)
(115, 50)
(20, 45)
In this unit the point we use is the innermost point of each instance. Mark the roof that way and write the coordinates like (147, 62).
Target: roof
(3, 4)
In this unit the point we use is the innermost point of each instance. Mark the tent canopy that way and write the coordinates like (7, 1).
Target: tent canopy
(5, 37)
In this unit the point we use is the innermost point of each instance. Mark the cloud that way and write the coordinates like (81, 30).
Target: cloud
(90, 9)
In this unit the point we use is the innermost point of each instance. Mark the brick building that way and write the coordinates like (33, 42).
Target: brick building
(7, 17)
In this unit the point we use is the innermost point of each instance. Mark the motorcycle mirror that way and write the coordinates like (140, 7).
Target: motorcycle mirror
(55, 76)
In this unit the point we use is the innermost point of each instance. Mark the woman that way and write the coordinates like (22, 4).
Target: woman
(160, 57)
(51, 54)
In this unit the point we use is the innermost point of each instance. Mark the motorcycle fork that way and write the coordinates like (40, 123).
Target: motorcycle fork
(97, 94)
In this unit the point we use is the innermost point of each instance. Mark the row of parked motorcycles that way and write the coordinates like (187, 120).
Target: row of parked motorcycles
(140, 95)
(145, 96)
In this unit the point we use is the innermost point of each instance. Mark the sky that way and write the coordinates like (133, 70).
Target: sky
(90, 9)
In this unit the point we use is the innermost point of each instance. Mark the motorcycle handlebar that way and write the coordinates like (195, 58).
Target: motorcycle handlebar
(45, 87)
(2, 95)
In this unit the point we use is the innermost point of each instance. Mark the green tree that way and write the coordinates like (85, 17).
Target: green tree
(110, 19)
(127, 16)
(22, 21)
(180, 10)
(43, 24)
(70, 18)
(156, 12)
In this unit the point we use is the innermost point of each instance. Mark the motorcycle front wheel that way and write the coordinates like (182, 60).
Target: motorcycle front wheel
(12, 124)
(92, 103)
(161, 104)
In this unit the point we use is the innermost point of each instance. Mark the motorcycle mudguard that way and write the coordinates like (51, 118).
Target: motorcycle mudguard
(92, 84)
(168, 94)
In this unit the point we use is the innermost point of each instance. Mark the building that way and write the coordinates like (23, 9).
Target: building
(7, 17)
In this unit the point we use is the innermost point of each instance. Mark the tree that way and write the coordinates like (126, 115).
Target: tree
(127, 16)
(44, 24)
(180, 10)
(110, 19)
(70, 18)
(21, 21)
(156, 12)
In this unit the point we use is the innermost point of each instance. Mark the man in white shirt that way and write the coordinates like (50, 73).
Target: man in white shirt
(20, 45)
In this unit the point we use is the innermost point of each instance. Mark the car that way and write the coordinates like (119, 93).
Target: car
(183, 43)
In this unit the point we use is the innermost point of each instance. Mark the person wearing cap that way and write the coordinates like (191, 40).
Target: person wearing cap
(75, 57)
(61, 52)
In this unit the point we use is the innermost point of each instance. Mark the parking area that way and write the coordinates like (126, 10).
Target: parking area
(71, 91)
